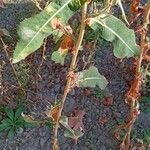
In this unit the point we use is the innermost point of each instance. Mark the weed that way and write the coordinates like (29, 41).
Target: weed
(134, 135)
(146, 137)
(49, 123)
(142, 140)
(13, 123)
(145, 105)
(146, 74)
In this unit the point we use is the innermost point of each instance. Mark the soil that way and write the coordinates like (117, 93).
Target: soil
(44, 87)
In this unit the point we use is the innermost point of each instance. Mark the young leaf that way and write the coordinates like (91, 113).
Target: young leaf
(76, 4)
(4, 126)
(69, 132)
(64, 122)
(29, 119)
(18, 112)
(59, 55)
(20, 122)
(145, 104)
(59, 58)
(74, 135)
(10, 113)
(11, 133)
(115, 31)
(32, 31)
(7, 121)
(49, 123)
(90, 78)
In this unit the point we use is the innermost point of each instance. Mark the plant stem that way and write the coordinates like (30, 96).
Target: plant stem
(13, 68)
(143, 36)
(134, 92)
(71, 70)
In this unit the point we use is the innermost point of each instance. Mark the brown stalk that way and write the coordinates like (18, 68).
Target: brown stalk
(13, 68)
(43, 58)
(71, 70)
(134, 91)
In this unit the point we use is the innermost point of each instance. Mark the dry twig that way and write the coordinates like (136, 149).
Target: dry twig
(13, 68)
(134, 91)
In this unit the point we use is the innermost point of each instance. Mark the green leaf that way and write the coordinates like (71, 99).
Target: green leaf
(133, 134)
(7, 121)
(74, 135)
(69, 132)
(146, 136)
(115, 31)
(10, 113)
(18, 112)
(34, 30)
(76, 4)
(58, 57)
(29, 119)
(20, 121)
(4, 126)
(145, 104)
(146, 111)
(145, 99)
(90, 78)
(50, 124)
(11, 133)
(64, 122)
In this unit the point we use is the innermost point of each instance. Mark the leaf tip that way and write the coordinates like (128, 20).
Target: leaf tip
(14, 61)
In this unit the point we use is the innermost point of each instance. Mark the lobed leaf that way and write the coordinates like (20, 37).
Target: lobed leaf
(114, 30)
(32, 31)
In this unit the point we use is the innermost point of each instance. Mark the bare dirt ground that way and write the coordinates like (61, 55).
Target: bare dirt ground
(41, 92)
